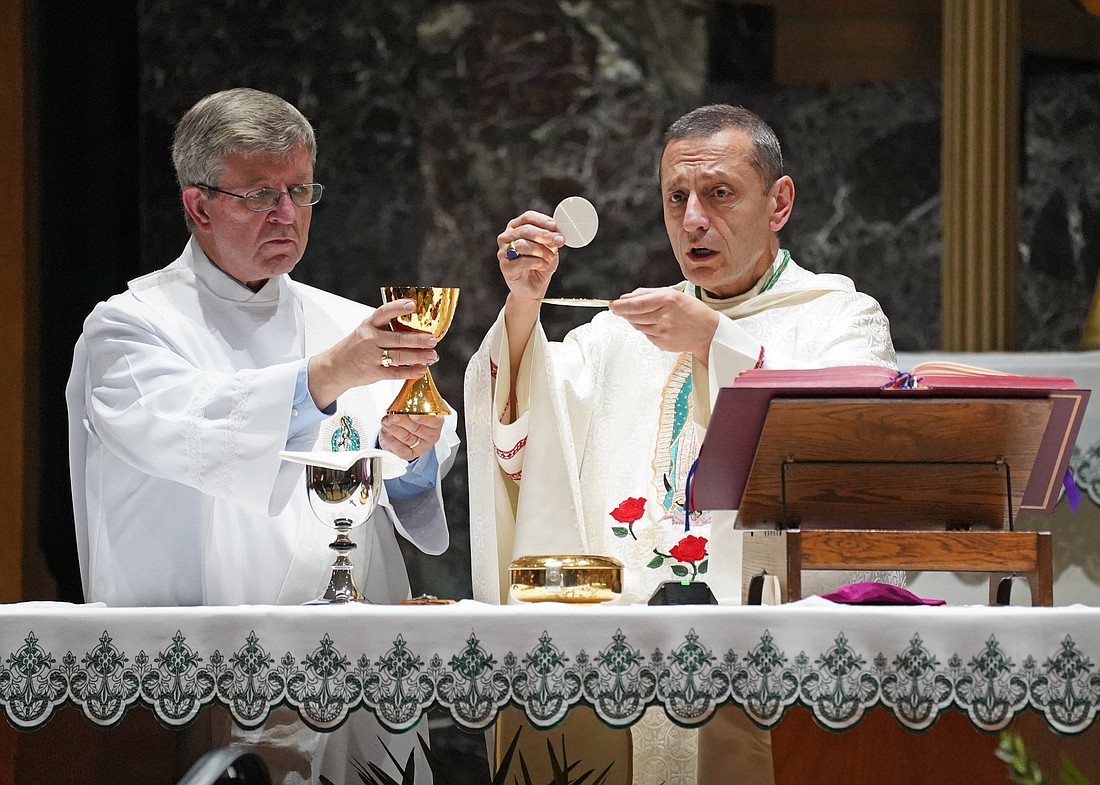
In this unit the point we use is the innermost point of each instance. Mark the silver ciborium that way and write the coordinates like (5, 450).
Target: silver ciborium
(343, 489)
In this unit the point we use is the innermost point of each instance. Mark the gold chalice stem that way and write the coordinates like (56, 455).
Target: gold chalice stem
(419, 396)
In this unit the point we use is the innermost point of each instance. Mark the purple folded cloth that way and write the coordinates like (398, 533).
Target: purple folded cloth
(870, 593)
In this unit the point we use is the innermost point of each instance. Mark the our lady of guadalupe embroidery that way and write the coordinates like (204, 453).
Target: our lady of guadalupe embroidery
(664, 540)
(678, 442)
(345, 434)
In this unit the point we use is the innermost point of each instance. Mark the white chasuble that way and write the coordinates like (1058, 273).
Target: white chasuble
(606, 428)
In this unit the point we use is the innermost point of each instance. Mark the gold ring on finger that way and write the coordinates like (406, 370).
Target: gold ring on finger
(386, 361)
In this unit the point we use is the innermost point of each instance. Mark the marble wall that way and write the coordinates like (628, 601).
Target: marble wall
(438, 121)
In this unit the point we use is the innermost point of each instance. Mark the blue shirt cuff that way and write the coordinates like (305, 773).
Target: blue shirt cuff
(418, 477)
(304, 413)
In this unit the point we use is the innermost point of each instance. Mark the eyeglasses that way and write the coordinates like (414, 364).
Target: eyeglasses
(264, 199)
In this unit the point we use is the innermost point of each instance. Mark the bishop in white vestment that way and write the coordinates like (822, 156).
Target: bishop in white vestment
(584, 446)
(608, 426)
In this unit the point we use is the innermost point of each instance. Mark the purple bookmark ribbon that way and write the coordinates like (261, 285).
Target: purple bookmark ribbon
(1073, 493)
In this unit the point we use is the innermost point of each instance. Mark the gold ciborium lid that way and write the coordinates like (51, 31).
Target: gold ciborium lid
(567, 578)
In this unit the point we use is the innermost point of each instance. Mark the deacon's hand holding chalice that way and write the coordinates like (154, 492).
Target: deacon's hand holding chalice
(343, 475)
(378, 351)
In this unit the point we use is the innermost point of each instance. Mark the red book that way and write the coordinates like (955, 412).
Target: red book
(875, 379)
(727, 457)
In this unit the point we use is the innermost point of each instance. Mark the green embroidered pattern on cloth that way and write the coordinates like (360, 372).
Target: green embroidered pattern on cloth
(838, 685)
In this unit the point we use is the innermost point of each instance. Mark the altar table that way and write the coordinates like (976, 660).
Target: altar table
(470, 659)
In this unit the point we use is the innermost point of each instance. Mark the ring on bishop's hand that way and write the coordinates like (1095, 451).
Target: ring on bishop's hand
(387, 361)
(415, 444)
(510, 252)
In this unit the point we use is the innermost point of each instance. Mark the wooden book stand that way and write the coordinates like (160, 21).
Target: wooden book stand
(891, 483)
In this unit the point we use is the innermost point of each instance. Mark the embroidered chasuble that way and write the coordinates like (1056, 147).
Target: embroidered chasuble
(607, 427)
(180, 399)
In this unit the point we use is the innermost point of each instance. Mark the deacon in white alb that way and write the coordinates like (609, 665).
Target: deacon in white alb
(186, 387)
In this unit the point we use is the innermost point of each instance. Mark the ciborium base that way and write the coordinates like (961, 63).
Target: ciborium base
(341, 586)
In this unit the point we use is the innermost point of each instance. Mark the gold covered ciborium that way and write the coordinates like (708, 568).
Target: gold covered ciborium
(583, 579)
(435, 308)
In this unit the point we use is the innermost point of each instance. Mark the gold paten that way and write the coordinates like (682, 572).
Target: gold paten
(578, 579)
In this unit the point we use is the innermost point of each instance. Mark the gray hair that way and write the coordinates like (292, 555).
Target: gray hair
(238, 121)
(706, 121)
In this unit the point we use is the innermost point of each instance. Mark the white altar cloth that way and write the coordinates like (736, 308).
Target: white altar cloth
(471, 659)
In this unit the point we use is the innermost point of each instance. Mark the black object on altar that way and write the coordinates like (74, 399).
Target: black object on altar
(683, 593)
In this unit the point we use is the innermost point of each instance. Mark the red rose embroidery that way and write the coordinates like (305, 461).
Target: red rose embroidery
(629, 510)
(690, 549)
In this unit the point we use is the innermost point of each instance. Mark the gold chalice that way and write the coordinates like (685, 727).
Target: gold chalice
(435, 308)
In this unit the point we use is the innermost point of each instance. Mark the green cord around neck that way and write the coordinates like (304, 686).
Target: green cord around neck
(768, 284)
